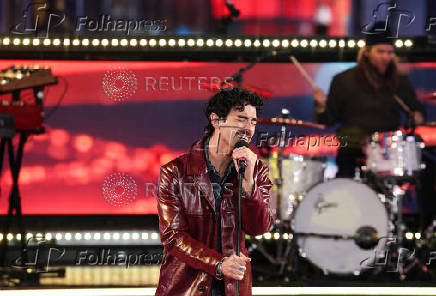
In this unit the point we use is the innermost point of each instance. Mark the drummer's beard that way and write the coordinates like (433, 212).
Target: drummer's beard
(377, 80)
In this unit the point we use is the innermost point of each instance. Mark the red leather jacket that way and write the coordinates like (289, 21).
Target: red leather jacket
(188, 226)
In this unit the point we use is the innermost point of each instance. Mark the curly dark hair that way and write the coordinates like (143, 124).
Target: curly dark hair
(222, 103)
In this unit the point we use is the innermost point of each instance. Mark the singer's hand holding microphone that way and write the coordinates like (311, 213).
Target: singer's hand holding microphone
(242, 154)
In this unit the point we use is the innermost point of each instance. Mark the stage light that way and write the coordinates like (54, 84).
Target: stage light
(182, 42)
(135, 235)
(351, 43)
(171, 42)
(418, 235)
(87, 236)
(247, 42)
(116, 236)
(332, 43)
(200, 42)
(152, 42)
(95, 42)
(313, 43)
(143, 42)
(238, 42)
(78, 236)
(258, 237)
(105, 42)
(48, 236)
(399, 43)
(76, 42)
(219, 42)
(256, 43)
(276, 235)
(341, 43)
(322, 43)
(39, 236)
(285, 43)
(58, 236)
(209, 42)
(16, 41)
(56, 42)
(106, 236)
(285, 236)
(409, 235)
(97, 236)
(9, 236)
(133, 42)
(276, 43)
(66, 42)
(303, 43)
(144, 235)
(85, 42)
(26, 41)
(191, 42)
(36, 42)
(124, 42)
(6, 41)
(162, 42)
(294, 43)
(114, 42)
(267, 235)
(68, 236)
(18, 236)
(408, 43)
(46, 42)
(266, 43)
(154, 235)
(126, 236)
(29, 236)
(229, 42)
(361, 43)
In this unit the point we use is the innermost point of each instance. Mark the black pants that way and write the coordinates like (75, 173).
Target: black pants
(347, 160)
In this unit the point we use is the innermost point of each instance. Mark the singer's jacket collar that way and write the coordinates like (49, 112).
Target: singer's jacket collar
(197, 163)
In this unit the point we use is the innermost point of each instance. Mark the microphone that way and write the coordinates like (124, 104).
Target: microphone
(241, 163)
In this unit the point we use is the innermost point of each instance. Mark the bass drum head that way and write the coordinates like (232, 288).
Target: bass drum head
(338, 207)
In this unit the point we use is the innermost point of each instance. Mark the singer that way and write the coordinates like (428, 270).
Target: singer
(197, 203)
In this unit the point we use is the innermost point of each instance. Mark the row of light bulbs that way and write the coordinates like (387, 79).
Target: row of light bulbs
(136, 236)
(248, 43)
(85, 236)
(276, 235)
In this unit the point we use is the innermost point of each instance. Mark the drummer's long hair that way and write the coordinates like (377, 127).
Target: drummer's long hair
(370, 72)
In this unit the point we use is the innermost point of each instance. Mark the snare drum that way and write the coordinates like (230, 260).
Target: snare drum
(340, 207)
(393, 154)
(299, 174)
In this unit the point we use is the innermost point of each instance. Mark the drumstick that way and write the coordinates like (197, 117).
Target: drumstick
(303, 72)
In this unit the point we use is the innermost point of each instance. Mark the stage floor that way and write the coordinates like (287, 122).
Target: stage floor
(256, 291)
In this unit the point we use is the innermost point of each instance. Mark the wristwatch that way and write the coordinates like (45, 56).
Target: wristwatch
(218, 272)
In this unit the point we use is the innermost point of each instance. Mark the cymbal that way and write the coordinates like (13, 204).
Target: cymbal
(266, 94)
(289, 121)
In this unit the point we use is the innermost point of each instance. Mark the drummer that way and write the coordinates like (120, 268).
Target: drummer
(361, 100)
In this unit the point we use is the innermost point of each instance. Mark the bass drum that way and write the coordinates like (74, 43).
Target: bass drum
(338, 207)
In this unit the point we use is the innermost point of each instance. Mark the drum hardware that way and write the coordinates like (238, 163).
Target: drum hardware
(293, 177)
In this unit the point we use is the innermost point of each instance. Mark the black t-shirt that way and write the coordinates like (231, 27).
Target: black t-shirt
(360, 110)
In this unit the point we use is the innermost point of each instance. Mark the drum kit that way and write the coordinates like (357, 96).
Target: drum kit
(341, 226)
